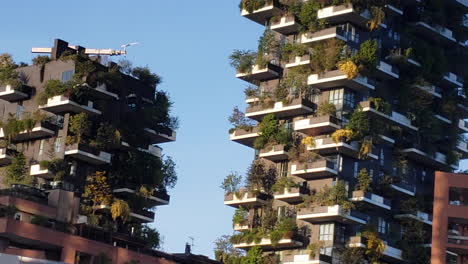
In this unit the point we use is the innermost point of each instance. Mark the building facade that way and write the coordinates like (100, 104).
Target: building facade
(351, 108)
(82, 169)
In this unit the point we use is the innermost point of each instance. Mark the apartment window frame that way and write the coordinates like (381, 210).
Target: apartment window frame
(67, 75)
(58, 144)
(19, 110)
(382, 225)
(41, 146)
(326, 232)
(355, 169)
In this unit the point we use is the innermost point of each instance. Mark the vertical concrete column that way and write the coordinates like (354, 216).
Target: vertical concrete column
(440, 219)
(68, 255)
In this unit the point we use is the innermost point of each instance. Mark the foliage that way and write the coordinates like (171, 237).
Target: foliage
(349, 68)
(107, 136)
(291, 50)
(326, 54)
(97, 189)
(169, 172)
(283, 183)
(73, 89)
(120, 209)
(17, 172)
(254, 256)
(380, 105)
(40, 60)
(335, 195)
(314, 249)
(342, 135)
(365, 148)
(364, 181)
(413, 240)
(374, 246)
(80, 127)
(8, 211)
(240, 216)
(260, 176)
(295, 84)
(58, 167)
(13, 126)
(232, 182)
(242, 60)
(8, 74)
(239, 121)
(298, 151)
(145, 75)
(308, 17)
(151, 236)
(225, 252)
(366, 57)
(308, 141)
(251, 91)
(271, 132)
(267, 44)
(125, 66)
(252, 5)
(326, 108)
(377, 17)
(353, 255)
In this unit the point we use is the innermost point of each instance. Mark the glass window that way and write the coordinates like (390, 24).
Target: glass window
(355, 169)
(423, 176)
(382, 157)
(326, 251)
(58, 144)
(67, 76)
(41, 147)
(336, 97)
(326, 232)
(282, 168)
(19, 110)
(383, 226)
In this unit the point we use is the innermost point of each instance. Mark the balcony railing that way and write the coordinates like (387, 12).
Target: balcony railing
(313, 126)
(417, 215)
(297, 106)
(245, 198)
(387, 71)
(451, 80)
(298, 61)
(63, 104)
(285, 25)
(40, 130)
(345, 13)
(434, 90)
(307, 259)
(389, 253)
(157, 198)
(404, 188)
(244, 137)
(314, 170)
(337, 78)
(395, 117)
(101, 91)
(266, 244)
(438, 159)
(141, 215)
(292, 195)
(6, 156)
(10, 94)
(270, 71)
(153, 150)
(163, 136)
(372, 199)
(87, 154)
(274, 153)
(36, 170)
(334, 213)
(439, 33)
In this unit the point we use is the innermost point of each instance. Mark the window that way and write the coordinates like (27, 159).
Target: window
(383, 226)
(17, 216)
(326, 232)
(382, 157)
(340, 163)
(282, 168)
(326, 251)
(423, 176)
(67, 76)
(355, 169)
(58, 144)
(281, 212)
(371, 173)
(336, 97)
(19, 110)
(41, 147)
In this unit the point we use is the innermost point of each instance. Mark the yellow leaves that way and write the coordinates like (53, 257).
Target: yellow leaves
(145, 192)
(120, 208)
(308, 141)
(366, 148)
(341, 135)
(349, 68)
(98, 189)
(378, 15)
(375, 246)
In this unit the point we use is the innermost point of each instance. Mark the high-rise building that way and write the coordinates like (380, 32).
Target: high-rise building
(351, 108)
(81, 165)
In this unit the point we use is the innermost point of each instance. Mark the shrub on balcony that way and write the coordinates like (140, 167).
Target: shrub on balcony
(240, 216)
(239, 121)
(364, 181)
(17, 171)
(261, 177)
(298, 151)
(80, 128)
(107, 136)
(284, 228)
(342, 135)
(145, 75)
(377, 17)
(296, 83)
(326, 108)
(335, 195)
(326, 54)
(366, 57)
(232, 183)
(349, 68)
(243, 60)
(8, 74)
(225, 252)
(308, 17)
(412, 242)
(271, 132)
(282, 184)
(58, 167)
(252, 91)
(39, 220)
(365, 147)
(380, 105)
(252, 5)
(73, 89)
(97, 190)
(291, 50)
(150, 235)
(120, 209)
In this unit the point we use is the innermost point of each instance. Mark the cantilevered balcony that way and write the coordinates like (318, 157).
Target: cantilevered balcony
(463, 126)
(313, 126)
(390, 253)
(337, 78)
(37, 171)
(40, 130)
(244, 137)
(142, 216)
(163, 136)
(329, 33)
(462, 147)
(394, 117)
(6, 156)
(245, 198)
(298, 61)
(87, 154)
(307, 259)
(431, 89)
(264, 13)
(291, 195)
(371, 198)
(451, 80)
(101, 91)
(11, 94)
(270, 71)
(274, 153)
(241, 226)
(438, 33)
(419, 156)
(153, 150)
(314, 170)
(62, 104)
(326, 145)
(266, 244)
(155, 199)
(335, 213)
(386, 71)
(404, 188)
(345, 13)
(285, 25)
(418, 215)
(393, 10)
(295, 107)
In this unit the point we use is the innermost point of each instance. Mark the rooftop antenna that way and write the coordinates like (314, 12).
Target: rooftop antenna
(192, 239)
(125, 46)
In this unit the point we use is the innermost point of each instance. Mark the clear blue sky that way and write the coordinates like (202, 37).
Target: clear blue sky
(187, 42)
